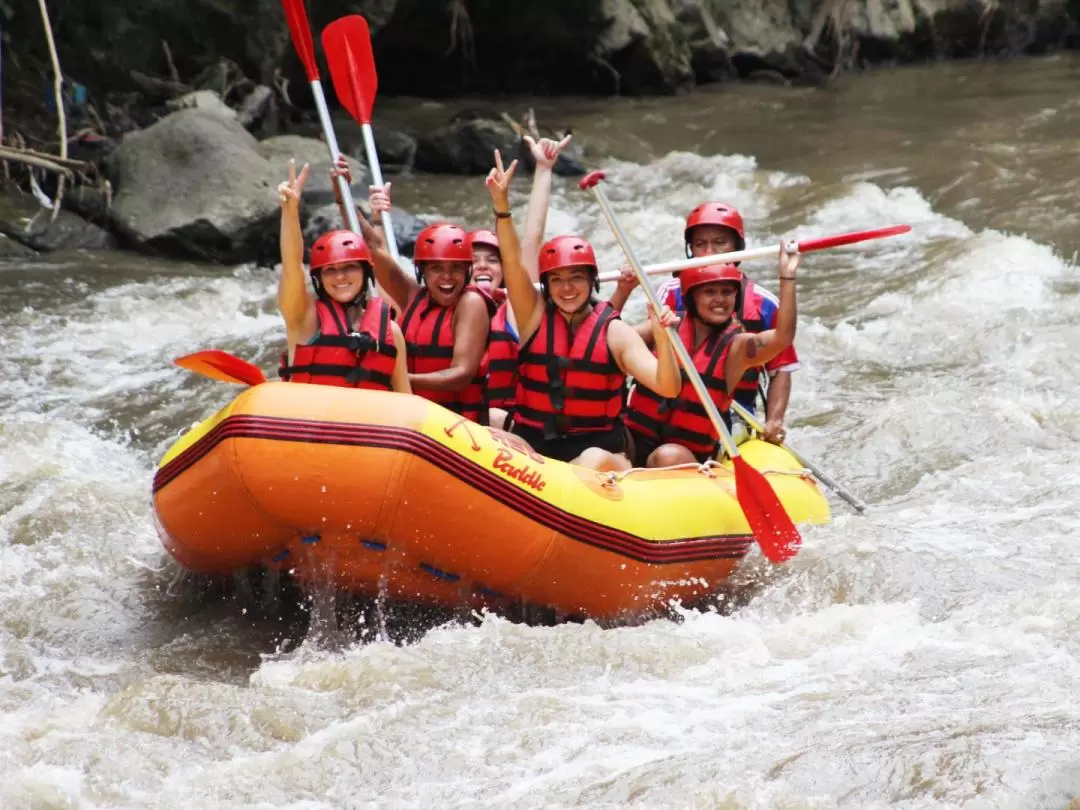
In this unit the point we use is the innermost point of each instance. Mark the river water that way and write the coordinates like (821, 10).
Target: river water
(923, 656)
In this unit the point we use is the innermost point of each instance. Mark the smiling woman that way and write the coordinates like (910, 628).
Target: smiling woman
(338, 337)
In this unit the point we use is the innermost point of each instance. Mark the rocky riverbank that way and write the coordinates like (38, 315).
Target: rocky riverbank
(186, 116)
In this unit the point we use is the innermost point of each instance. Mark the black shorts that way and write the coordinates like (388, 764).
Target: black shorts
(643, 447)
(572, 445)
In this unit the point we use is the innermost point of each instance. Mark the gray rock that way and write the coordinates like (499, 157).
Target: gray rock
(762, 33)
(13, 250)
(328, 218)
(23, 220)
(195, 186)
(465, 147)
(707, 41)
(318, 190)
(207, 100)
(396, 150)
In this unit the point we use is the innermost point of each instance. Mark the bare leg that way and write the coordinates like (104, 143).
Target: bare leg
(602, 461)
(669, 455)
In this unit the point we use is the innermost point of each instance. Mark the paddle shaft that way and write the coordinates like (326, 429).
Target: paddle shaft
(332, 147)
(377, 179)
(680, 350)
(753, 422)
(805, 246)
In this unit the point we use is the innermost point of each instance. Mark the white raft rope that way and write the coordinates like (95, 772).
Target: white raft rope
(709, 469)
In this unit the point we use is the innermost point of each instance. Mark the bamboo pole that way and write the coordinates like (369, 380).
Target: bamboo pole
(61, 116)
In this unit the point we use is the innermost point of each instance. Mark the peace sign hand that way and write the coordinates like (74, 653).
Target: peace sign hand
(498, 182)
(289, 192)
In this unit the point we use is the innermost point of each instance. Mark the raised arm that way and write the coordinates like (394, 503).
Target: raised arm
(395, 281)
(525, 299)
(294, 300)
(659, 372)
(399, 380)
(758, 349)
(544, 152)
(399, 284)
(471, 325)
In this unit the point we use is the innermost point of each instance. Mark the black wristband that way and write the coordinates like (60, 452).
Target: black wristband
(502, 214)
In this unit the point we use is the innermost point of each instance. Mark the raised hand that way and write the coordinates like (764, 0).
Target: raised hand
(628, 279)
(789, 260)
(379, 200)
(289, 192)
(498, 182)
(662, 321)
(546, 151)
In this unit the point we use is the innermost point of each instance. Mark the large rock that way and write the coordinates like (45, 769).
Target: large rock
(763, 35)
(195, 185)
(318, 189)
(466, 147)
(708, 42)
(23, 220)
(328, 218)
(656, 60)
(536, 46)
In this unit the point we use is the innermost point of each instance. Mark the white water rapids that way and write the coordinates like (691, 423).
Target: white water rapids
(923, 656)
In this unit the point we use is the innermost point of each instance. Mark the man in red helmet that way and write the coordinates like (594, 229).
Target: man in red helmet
(674, 431)
(575, 353)
(338, 337)
(714, 228)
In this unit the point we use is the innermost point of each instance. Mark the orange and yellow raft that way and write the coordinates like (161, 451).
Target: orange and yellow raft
(387, 493)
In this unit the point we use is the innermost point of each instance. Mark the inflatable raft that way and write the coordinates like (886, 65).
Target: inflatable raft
(385, 493)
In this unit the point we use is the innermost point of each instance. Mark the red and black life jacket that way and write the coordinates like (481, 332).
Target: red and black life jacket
(363, 357)
(569, 386)
(429, 346)
(748, 311)
(502, 362)
(683, 419)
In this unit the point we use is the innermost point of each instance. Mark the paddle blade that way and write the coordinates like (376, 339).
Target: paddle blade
(347, 43)
(808, 245)
(222, 366)
(769, 521)
(300, 31)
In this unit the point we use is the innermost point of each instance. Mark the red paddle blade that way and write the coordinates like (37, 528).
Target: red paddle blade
(807, 245)
(300, 31)
(347, 43)
(222, 366)
(769, 521)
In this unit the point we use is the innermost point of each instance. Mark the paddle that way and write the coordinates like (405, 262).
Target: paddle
(770, 523)
(222, 366)
(854, 502)
(300, 31)
(347, 44)
(805, 246)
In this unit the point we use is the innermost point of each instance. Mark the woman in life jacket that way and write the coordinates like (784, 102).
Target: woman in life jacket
(445, 320)
(713, 228)
(502, 355)
(574, 351)
(337, 337)
(677, 431)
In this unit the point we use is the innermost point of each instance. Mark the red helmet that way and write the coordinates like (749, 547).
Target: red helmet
(483, 237)
(442, 242)
(696, 276)
(338, 247)
(716, 213)
(566, 251)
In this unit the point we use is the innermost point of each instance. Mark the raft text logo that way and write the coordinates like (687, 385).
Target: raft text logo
(524, 474)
